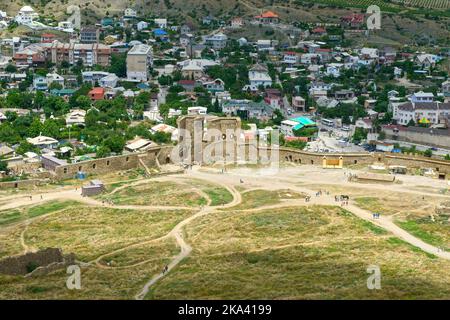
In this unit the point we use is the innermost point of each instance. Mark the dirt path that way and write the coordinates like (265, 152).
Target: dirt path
(177, 233)
(249, 180)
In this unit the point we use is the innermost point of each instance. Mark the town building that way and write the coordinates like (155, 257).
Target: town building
(217, 41)
(259, 76)
(26, 15)
(298, 104)
(430, 112)
(90, 35)
(247, 109)
(129, 13)
(289, 126)
(97, 94)
(139, 61)
(268, 17)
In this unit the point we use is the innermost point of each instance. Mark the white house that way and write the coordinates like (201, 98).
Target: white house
(26, 15)
(369, 53)
(217, 41)
(161, 23)
(334, 70)
(43, 142)
(76, 117)
(110, 81)
(290, 58)
(197, 110)
(446, 89)
(431, 111)
(54, 78)
(426, 60)
(422, 97)
(141, 25)
(259, 76)
(40, 83)
(129, 13)
(264, 44)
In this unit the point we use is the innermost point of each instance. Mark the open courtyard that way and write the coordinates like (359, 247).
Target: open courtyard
(234, 233)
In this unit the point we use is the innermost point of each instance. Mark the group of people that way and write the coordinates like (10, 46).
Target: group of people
(376, 215)
(319, 193)
(166, 268)
(31, 197)
(343, 199)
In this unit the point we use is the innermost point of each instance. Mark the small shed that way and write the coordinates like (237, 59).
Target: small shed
(94, 188)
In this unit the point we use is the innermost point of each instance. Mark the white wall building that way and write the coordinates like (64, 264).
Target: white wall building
(259, 76)
(26, 15)
(161, 23)
(139, 60)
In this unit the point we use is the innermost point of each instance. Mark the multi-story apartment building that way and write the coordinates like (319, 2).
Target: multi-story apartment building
(139, 60)
(90, 35)
(217, 41)
(433, 112)
(89, 54)
(57, 52)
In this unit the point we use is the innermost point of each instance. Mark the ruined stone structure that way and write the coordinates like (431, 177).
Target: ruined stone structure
(150, 158)
(215, 137)
(222, 139)
(36, 262)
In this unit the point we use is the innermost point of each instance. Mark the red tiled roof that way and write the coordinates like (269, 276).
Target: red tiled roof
(319, 30)
(186, 82)
(97, 90)
(268, 14)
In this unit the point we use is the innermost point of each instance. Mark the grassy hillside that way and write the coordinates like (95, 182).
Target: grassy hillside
(403, 21)
(234, 7)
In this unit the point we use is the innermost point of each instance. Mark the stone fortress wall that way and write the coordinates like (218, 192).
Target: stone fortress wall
(162, 155)
(199, 127)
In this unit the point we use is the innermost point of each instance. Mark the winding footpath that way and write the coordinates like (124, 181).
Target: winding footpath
(225, 181)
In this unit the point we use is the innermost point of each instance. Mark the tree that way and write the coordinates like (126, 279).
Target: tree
(103, 152)
(55, 86)
(3, 165)
(278, 117)
(359, 135)
(10, 68)
(83, 102)
(428, 153)
(25, 147)
(115, 143)
(35, 128)
(119, 65)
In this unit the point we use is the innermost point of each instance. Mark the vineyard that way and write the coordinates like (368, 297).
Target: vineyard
(387, 5)
(429, 4)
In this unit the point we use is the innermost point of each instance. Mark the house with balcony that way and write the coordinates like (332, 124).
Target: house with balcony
(421, 96)
(110, 81)
(43, 142)
(248, 109)
(217, 41)
(40, 84)
(259, 76)
(268, 17)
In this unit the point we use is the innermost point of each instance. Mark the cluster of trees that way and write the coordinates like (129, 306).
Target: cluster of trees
(348, 112)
